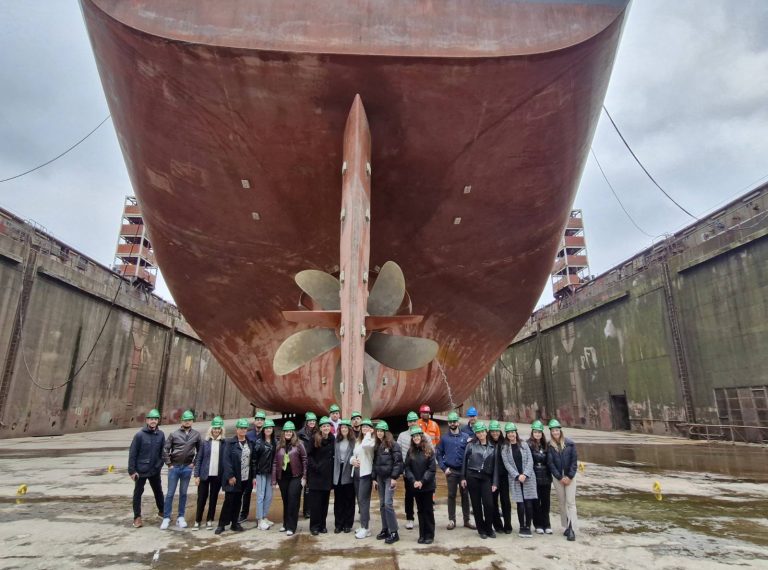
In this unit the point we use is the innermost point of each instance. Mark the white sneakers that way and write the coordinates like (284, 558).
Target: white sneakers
(282, 529)
(196, 526)
(539, 531)
(208, 525)
(409, 525)
(547, 531)
(165, 524)
(269, 522)
(288, 533)
(362, 533)
(181, 523)
(263, 525)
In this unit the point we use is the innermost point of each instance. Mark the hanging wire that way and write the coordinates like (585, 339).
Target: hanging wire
(54, 159)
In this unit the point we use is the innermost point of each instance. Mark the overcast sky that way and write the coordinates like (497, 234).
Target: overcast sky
(689, 91)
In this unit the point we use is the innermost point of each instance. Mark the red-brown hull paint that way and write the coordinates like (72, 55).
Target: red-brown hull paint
(198, 109)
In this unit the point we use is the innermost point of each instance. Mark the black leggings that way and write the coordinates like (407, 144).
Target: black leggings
(541, 507)
(482, 501)
(525, 513)
(207, 490)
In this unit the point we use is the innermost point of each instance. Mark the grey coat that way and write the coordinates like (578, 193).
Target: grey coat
(528, 489)
(342, 466)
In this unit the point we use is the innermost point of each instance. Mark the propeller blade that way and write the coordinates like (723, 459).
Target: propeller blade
(300, 348)
(388, 290)
(321, 286)
(401, 352)
(324, 319)
(379, 323)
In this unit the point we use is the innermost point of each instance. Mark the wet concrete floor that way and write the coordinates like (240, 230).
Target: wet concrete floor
(711, 512)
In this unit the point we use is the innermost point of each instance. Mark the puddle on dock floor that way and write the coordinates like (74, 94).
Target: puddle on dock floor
(745, 463)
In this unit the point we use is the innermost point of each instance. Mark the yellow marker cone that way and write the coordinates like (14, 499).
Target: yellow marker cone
(22, 490)
(656, 487)
(111, 469)
(582, 467)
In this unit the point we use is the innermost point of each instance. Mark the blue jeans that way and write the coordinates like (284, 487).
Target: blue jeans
(176, 474)
(263, 495)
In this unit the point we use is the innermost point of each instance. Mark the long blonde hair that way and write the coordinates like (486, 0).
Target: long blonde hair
(209, 434)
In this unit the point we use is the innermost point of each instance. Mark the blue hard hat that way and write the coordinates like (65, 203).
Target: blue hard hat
(472, 412)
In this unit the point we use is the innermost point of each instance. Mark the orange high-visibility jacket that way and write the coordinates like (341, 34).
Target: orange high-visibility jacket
(431, 430)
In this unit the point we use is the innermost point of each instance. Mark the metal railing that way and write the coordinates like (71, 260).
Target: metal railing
(727, 432)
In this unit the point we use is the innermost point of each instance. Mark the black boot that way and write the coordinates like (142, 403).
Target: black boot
(571, 535)
(392, 538)
(383, 534)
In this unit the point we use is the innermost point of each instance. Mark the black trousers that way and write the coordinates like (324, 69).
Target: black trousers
(344, 506)
(454, 486)
(138, 490)
(481, 496)
(525, 513)
(290, 491)
(247, 492)
(409, 500)
(305, 502)
(502, 519)
(231, 507)
(318, 508)
(426, 508)
(208, 491)
(541, 506)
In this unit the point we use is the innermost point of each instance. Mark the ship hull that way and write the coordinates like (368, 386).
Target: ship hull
(476, 156)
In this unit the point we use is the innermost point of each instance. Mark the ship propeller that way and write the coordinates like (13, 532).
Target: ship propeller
(394, 351)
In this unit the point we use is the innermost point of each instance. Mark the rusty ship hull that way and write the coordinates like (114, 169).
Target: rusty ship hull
(230, 117)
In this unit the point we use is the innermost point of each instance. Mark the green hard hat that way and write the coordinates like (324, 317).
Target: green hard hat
(324, 420)
(241, 423)
(269, 423)
(310, 416)
(154, 414)
(494, 425)
(288, 426)
(217, 422)
(510, 426)
(347, 423)
(479, 426)
(412, 417)
(367, 422)
(382, 425)
(187, 416)
(260, 415)
(554, 424)
(416, 430)
(356, 415)
(537, 425)
(334, 408)
(453, 417)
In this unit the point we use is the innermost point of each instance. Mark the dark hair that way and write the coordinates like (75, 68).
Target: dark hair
(351, 438)
(425, 447)
(538, 445)
(318, 438)
(293, 443)
(387, 441)
(517, 441)
(272, 438)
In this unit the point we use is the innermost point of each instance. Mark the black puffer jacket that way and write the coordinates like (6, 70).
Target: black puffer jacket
(540, 468)
(388, 462)
(419, 467)
(320, 464)
(480, 460)
(563, 463)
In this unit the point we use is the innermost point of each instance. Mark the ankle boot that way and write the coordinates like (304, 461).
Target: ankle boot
(392, 538)
(383, 534)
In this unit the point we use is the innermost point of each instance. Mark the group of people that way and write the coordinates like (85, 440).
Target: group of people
(487, 465)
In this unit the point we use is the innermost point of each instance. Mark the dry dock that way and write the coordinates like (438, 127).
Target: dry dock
(712, 512)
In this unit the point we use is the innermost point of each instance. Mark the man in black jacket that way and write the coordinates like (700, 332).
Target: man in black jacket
(145, 461)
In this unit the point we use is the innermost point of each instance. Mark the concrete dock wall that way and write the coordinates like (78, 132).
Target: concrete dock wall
(54, 304)
(674, 336)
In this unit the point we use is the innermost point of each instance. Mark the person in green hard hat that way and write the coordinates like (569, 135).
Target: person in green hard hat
(404, 441)
(320, 476)
(252, 435)
(209, 464)
(179, 453)
(387, 467)
(563, 461)
(362, 475)
(334, 415)
(517, 458)
(289, 474)
(343, 485)
(502, 517)
(235, 475)
(420, 470)
(480, 475)
(145, 462)
(264, 455)
(357, 422)
(450, 458)
(539, 449)
(306, 437)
